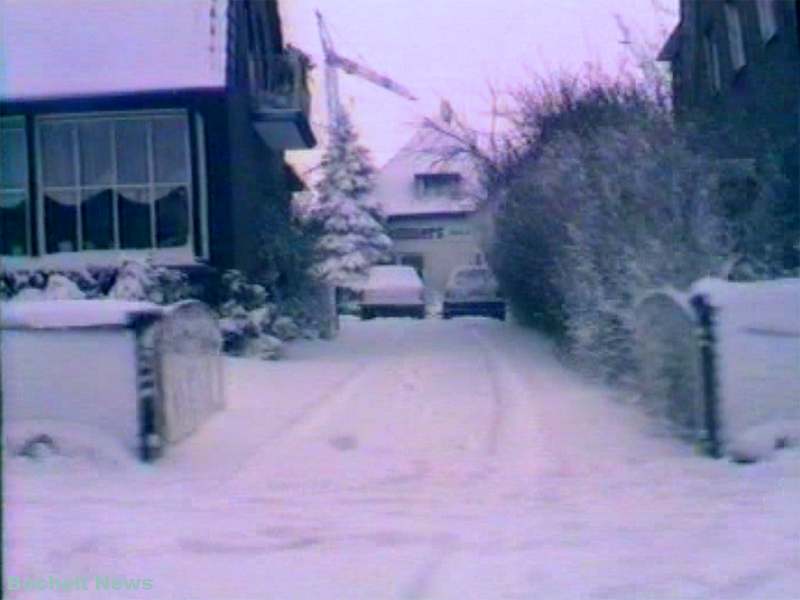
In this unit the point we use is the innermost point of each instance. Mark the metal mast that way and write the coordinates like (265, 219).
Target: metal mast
(334, 62)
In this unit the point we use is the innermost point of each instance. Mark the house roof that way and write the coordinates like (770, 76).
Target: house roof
(672, 46)
(395, 186)
(64, 48)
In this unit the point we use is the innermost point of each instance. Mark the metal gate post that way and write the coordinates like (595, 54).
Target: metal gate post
(150, 443)
(706, 340)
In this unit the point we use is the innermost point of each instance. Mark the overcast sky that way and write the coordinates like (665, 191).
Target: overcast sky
(454, 49)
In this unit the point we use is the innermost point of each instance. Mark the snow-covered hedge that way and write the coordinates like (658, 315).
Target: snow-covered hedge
(253, 324)
(607, 199)
(134, 280)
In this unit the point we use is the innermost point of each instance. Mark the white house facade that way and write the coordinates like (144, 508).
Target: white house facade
(432, 213)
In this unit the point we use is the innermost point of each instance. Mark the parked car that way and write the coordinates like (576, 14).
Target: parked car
(393, 291)
(473, 291)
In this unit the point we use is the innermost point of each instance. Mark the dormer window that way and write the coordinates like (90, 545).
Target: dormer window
(438, 184)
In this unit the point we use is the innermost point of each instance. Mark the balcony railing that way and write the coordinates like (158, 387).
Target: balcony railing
(278, 82)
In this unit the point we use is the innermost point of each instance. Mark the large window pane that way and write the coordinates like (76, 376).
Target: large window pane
(61, 221)
(95, 150)
(172, 215)
(129, 175)
(134, 218)
(13, 224)
(13, 159)
(58, 155)
(131, 145)
(97, 219)
(170, 150)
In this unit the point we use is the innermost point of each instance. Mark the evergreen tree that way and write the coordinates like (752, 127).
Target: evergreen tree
(352, 228)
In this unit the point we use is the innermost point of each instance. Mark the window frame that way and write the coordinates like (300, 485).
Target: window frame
(767, 19)
(114, 117)
(736, 45)
(451, 185)
(5, 124)
(713, 69)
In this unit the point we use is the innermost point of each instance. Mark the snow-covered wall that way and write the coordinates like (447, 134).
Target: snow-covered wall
(81, 362)
(85, 376)
(758, 353)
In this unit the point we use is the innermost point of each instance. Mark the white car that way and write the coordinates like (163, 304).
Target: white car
(393, 291)
(473, 291)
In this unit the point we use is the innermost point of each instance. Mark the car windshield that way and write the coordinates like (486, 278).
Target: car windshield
(394, 276)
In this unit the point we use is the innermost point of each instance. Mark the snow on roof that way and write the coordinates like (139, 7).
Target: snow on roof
(56, 314)
(58, 48)
(395, 187)
(396, 276)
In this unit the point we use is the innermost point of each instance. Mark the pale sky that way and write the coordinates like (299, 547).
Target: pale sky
(454, 49)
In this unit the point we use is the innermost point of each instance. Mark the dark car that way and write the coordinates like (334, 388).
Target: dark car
(473, 291)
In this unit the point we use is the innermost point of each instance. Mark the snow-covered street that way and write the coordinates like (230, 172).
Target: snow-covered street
(410, 460)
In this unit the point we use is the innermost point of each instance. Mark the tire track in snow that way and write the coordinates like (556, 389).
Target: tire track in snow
(314, 413)
(499, 395)
(343, 391)
(515, 431)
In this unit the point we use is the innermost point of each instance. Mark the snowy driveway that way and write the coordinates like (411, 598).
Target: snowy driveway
(411, 460)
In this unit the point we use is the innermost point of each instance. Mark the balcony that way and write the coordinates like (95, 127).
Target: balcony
(281, 102)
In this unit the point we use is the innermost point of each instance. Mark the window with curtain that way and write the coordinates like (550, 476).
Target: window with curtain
(115, 182)
(14, 194)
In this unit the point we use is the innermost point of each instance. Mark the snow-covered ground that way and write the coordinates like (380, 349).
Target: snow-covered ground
(408, 460)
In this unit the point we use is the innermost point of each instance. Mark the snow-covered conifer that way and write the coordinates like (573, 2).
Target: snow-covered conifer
(353, 236)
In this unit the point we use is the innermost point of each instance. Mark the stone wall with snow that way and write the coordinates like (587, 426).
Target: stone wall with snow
(757, 329)
(137, 372)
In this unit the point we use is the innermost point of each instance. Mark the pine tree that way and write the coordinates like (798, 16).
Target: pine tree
(353, 236)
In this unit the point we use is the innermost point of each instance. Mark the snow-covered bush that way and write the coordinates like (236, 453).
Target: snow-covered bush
(251, 321)
(646, 218)
(286, 328)
(599, 198)
(134, 280)
(60, 287)
(142, 280)
(246, 316)
(48, 285)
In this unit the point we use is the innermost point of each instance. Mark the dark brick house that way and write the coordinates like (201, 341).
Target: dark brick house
(736, 73)
(145, 128)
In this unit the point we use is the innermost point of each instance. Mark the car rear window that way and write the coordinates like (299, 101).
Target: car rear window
(473, 277)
